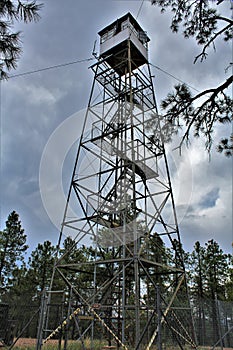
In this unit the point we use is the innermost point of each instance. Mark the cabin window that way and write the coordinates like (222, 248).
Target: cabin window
(131, 27)
(124, 25)
(141, 35)
(143, 38)
(109, 34)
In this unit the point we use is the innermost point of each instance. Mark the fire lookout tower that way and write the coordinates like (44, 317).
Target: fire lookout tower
(131, 292)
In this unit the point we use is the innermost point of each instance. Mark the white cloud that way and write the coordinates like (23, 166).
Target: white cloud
(34, 105)
(40, 95)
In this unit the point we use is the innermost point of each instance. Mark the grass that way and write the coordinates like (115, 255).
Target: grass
(71, 345)
(77, 345)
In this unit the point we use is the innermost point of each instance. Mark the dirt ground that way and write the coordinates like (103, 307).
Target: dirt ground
(24, 342)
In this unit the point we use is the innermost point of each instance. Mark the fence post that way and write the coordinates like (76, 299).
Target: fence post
(218, 321)
(66, 329)
(159, 338)
(41, 321)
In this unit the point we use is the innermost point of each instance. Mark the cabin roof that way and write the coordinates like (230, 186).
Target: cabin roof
(120, 20)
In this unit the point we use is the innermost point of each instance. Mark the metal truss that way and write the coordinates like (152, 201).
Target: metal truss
(121, 203)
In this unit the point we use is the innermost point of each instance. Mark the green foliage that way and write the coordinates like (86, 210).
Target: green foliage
(41, 265)
(10, 42)
(71, 254)
(198, 18)
(181, 110)
(197, 270)
(28, 281)
(216, 266)
(210, 274)
(209, 108)
(229, 284)
(12, 248)
(226, 147)
(209, 271)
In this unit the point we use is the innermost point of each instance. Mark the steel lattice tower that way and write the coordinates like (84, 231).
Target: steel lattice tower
(122, 204)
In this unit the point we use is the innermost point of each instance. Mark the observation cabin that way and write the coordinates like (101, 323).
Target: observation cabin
(117, 38)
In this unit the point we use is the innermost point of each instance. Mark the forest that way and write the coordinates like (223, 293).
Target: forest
(25, 276)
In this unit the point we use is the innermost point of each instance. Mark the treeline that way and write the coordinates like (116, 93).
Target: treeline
(209, 271)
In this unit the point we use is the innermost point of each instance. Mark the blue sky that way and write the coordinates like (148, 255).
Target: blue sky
(34, 106)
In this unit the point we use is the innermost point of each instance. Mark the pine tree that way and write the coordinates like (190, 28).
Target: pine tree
(81, 255)
(41, 264)
(209, 272)
(203, 22)
(217, 266)
(12, 249)
(197, 269)
(229, 284)
(198, 288)
(10, 42)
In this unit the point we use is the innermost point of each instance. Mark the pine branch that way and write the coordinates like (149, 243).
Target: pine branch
(226, 19)
(28, 12)
(203, 53)
(202, 118)
(10, 44)
(200, 21)
(214, 91)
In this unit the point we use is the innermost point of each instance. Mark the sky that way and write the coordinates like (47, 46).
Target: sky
(36, 109)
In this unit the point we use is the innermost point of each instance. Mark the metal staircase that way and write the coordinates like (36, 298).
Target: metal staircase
(121, 202)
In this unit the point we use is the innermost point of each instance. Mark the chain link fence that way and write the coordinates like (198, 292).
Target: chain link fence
(213, 321)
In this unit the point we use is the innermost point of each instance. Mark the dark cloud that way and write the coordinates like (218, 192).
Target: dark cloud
(209, 199)
(34, 105)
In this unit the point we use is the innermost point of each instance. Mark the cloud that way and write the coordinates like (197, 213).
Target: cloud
(209, 199)
(33, 106)
(209, 215)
